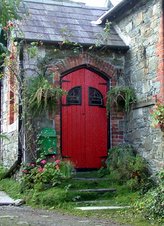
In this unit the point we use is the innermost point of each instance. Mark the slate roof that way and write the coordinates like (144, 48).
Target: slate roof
(51, 21)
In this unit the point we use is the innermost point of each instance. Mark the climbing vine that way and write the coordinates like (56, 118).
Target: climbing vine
(8, 12)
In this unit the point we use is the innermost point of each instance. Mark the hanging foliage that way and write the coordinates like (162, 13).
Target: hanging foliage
(43, 96)
(121, 98)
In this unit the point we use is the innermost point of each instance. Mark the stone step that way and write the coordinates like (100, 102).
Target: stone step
(6, 200)
(90, 179)
(102, 207)
(87, 174)
(93, 201)
(98, 190)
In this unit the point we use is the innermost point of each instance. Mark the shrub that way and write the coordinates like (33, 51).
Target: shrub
(127, 167)
(45, 174)
(152, 204)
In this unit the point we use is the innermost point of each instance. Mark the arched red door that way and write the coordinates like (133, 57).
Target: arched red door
(84, 120)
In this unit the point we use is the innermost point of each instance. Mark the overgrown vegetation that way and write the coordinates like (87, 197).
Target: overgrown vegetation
(8, 12)
(152, 204)
(125, 166)
(145, 208)
(120, 98)
(45, 173)
(42, 96)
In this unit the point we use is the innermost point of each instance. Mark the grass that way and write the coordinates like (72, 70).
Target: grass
(2, 171)
(65, 200)
(12, 187)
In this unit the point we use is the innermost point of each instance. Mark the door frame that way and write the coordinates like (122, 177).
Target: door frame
(101, 74)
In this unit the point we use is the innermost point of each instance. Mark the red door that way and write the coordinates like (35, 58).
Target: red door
(84, 120)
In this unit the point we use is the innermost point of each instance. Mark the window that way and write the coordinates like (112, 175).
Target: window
(74, 96)
(11, 99)
(95, 97)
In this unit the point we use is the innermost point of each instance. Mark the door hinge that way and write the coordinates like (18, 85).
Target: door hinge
(65, 81)
(103, 83)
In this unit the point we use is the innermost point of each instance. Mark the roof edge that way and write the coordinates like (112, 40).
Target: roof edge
(110, 14)
(119, 48)
(67, 4)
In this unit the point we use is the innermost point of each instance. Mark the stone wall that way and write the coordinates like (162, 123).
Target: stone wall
(9, 147)
(141, 28)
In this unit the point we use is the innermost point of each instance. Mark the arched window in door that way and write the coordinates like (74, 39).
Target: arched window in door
(95, 97)
(74, 96)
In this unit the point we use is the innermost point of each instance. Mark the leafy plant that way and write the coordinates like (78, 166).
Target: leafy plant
(44, 173)
(151, 205)
(127, 167)
(157, 115)
(32, 50)
(42, 95)
(121, 98)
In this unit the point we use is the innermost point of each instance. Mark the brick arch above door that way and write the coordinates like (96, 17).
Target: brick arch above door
(84, 60)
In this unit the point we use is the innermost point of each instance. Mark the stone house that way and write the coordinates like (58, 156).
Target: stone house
(127, 52)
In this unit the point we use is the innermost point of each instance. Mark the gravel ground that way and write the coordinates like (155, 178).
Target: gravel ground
(14, 216)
